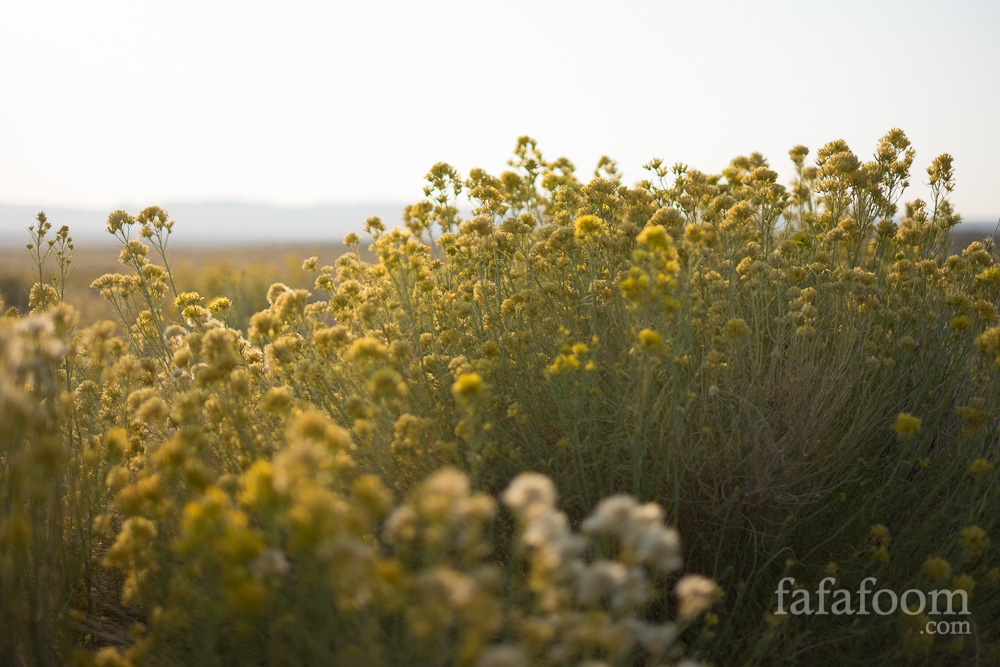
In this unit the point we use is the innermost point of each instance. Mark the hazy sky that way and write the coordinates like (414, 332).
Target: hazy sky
(105, 103)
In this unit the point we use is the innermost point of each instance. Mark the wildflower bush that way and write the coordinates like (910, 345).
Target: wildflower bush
(799, 382)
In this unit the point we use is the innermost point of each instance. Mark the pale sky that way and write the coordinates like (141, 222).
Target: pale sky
(299, 103)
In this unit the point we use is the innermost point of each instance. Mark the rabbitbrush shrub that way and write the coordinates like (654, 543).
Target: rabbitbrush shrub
(796, 382)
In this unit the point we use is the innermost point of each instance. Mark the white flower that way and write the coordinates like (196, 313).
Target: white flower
(401, 525)
(649, 514)
(504, 655)
(660, 548)
(449, 483)
(611, 516)
(696, 594)
(634, 591)
(599, 581)
(455, 588)
(545, 529)
(270, 562)
(530, 494)
(655, 638)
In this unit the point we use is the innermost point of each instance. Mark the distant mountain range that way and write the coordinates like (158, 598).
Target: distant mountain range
(235, 222)
(214, 222)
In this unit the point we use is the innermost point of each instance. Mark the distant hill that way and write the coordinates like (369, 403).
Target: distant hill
(967, 232)
(214, 222)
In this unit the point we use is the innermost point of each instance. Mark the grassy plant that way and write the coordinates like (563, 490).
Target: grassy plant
(800, 382)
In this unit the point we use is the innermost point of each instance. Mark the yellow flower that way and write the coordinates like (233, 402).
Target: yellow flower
(980, 467)
(564, 363)
(974, 541)
(117, 220)
(153, 409)
(655, 237)
(587, 226)
(194, 314)
(110, 657)
(879, 555)
(275, 290)
(906, 425)
(116, 441)
(369, 493)
(367, 349)
(277, 400)
(963, 582)
(737, 328)
(649, 339)
(468, 386)
(879, 532)
(386, 383)
(188, 299)
(937, 568)
(989, 345)
(219, 305)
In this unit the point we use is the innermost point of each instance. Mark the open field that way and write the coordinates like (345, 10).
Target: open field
(241, 272)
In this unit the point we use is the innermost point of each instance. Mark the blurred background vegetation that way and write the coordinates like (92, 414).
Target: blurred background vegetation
(242, 273)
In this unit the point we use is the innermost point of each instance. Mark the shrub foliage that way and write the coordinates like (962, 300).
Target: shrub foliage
(799, 381)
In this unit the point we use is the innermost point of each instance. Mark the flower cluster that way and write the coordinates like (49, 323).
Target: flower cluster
(799, 375)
